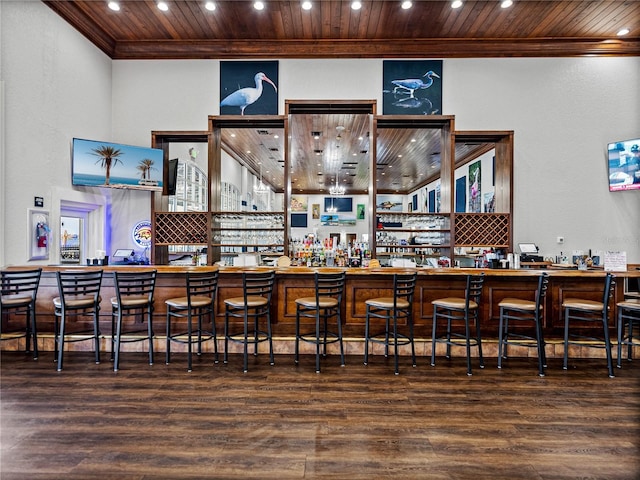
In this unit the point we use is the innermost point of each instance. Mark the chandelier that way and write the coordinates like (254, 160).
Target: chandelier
(260, 188)
(336, 189)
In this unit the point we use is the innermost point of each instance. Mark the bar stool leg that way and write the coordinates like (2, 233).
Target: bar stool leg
(566, 339)
(96, 336)
(339, 319)
(167, 356)
(395, 341)
(116, 361)
(246, 340)
(366, 338)
(150, 333)
(607, 344)
(271, 358)
(318, 340)
(296, 357)
(189, 346)
(620, 337)
(60, 342)
(433, 336)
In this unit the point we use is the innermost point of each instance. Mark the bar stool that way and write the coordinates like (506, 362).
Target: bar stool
(589, 311)
(394, 309)
(518, 310)
(466, 309)
(18, 296)
(79, 297)
(199, 303)
(134, 296)
(325, 304)
(628, 317)
(255, 303)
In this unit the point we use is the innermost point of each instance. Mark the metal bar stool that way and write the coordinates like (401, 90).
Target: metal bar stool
(199, 303)
(518, 310)
(18, 296)
(79, 297)
(465, 309)
(324, 305)
(134, 296)
(589, 311)
(396, 309)
(628, 317)
(255, 303)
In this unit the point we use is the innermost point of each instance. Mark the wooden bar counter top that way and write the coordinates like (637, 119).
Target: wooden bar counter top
(362, 284)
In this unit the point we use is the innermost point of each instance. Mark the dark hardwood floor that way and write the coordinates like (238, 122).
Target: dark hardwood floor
(353, 422)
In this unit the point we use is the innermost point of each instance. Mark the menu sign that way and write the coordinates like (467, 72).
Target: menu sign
(615, 261)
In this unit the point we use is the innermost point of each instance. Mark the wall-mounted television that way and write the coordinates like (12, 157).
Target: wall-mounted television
(338, 204)
(172, 177)
(114, 165)
(623, 162)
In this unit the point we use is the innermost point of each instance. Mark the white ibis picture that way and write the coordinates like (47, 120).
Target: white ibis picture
(246, 96)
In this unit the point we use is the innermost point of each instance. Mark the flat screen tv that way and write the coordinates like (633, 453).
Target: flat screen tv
(172, 176)
(114, 165)
(623, 161)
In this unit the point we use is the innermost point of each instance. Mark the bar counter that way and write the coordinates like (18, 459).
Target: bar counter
(362, 284)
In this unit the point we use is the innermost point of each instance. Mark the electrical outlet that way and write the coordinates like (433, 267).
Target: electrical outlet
(560, 239)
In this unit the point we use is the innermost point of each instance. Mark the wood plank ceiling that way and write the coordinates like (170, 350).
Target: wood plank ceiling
(380, 29)
(406, 158)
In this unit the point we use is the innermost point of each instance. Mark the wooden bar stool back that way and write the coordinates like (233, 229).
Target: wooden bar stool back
(516, 310)
(586, 311)
(628, 320)
(79, 298)
(254, 304)
(198, 304)
(134, 297)
(326, 304)
(19, 289)
(463, 309)
(396, 310)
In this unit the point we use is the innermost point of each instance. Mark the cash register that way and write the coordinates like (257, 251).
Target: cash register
(123, 256)
(529, 253)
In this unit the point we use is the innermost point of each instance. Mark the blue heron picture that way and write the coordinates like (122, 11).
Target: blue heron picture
(249, 88)
(412, 87)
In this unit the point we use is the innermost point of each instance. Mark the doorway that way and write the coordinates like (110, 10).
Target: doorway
(70, 239)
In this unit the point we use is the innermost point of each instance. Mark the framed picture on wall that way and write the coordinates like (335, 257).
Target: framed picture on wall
(412, 87)
(299, 203)
(475, 187)
(249, 88)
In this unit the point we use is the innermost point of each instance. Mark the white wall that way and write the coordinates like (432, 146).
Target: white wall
(563, 111)
(56, 86)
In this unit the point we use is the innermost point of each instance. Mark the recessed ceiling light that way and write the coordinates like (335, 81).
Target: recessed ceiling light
(406, 5)
(623, 31)
(210, 6)
(258, 5)
(506, 3)
(114, 6)
(306, 5)
(356, 5)
(163, 6)
(456, 4)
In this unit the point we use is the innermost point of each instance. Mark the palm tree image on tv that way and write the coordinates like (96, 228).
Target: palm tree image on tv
(138, 168)
(108, 158)
(145, 166)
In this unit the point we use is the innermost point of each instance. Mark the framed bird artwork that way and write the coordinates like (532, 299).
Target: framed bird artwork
(249, 88)
(412, 87)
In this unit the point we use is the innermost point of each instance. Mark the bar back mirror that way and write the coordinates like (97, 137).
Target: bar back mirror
(483, 193)
(248, 220)
(330, 175)
(412, 183)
